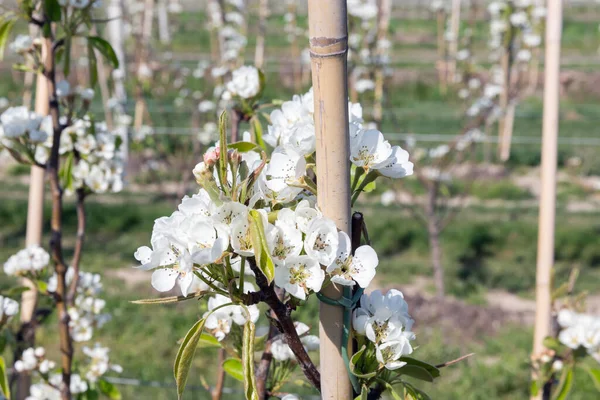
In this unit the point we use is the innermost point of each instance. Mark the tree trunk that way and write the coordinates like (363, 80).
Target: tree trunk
(328, 32)
(435, 249)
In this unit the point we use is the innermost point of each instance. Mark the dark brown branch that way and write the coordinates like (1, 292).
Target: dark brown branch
(283, 313)
(262, 371)
(66, 343)
(217, 391)
(81, 222)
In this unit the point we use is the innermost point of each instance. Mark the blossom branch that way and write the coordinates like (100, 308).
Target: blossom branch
(81, 223)
(66, 343)
(283, 313)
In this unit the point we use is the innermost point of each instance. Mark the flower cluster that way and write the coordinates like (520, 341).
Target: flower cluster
(27, 262)
(87, 312)
(385, 321)
(96, 365)
(222, 313)
(228, 19)
(8, 309)
(515, 26)
(245, 82)
(580, 330)
(94, 153)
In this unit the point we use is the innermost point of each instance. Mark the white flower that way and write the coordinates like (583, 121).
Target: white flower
(572, 337)
(347, 269)
(321, 241)
(21, 44)
(383, 318)
(284, 241)
(298, 275)
(29, 260)
(282, 352)
(86, 94)
(285, 168)
(389, 353)
(518, 18)
(63, 88)
(245, 82)
(206, 106)
(17, 121)
(388, 197)
(369, 149)
(440, 151)
(8, 308)
(557, 366)
(397, 164)
(363, 85)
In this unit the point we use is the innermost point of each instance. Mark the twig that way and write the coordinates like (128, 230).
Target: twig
(217, 391)
(447, 363)
(81, 222)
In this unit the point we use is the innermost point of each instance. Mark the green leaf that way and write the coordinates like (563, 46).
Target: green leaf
(534, 389)
(248, 360)
(364, 393)
(354, 361)
(5, 30)
(259, 243)
(223, 149)
(233, 367)
(564, 385)
(105, 49)
(415, 393)
(392, 391)
(170, 299)
(207, 340)
(242, 147)
(185, 355)
(92, 64)
(434, 371)
(415, 372)
(594, 373)
(4, 387)
(551, 343)
(14, 292)
(109, 390)
(66, 171)
(258, 131)
(52, 9)
(42, 286)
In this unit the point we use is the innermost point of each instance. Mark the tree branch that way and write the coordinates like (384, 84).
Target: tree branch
(81, 223)
(66, 343)
(283, 313)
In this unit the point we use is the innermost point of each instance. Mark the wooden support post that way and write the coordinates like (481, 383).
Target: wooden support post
(33, 234)
(545, 254)
(328, 32)
(453, 48)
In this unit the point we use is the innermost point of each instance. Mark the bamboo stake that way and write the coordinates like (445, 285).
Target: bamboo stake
(441, 47)
(328, 32)
(508, 125)
(383, 23)
(114, 29)
(259, 55)
(505, 63)
(33, 235)
(453, 48)
(545, 255)
(163, 22)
